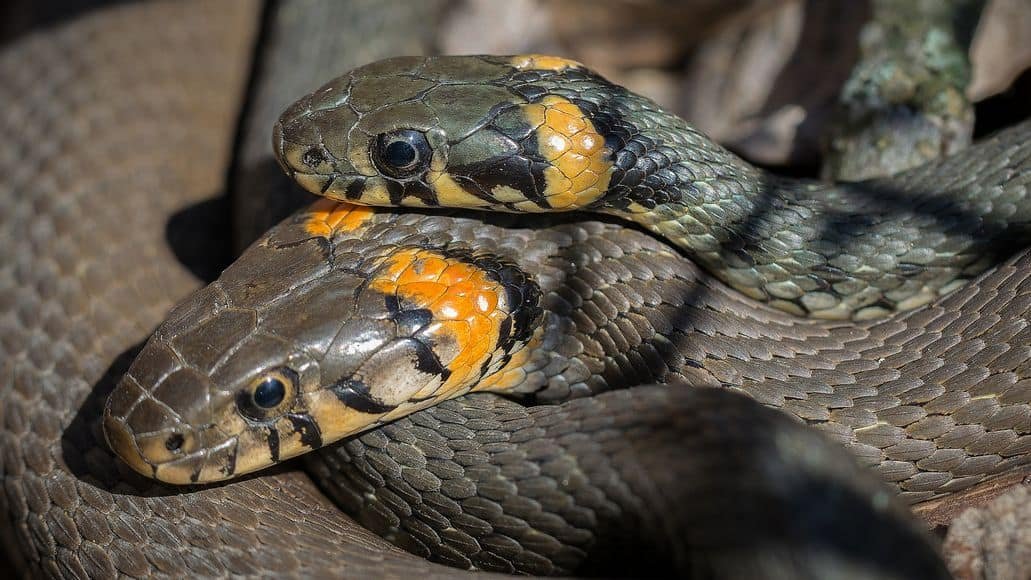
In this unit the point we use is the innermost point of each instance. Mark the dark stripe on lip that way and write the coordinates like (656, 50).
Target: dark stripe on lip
(409, 322)
(325, 186)
(273, 443)
(419, 190)
(355, 189)
(355, 394)
(230, 467)
(509, 157)
(396, 191)
(195, 476)
(311, 435)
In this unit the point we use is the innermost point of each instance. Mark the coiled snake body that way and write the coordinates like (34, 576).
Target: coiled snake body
(937, 399)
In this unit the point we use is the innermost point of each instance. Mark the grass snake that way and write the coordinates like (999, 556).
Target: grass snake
(85, 278)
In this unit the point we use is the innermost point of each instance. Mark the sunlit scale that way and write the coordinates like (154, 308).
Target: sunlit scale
(464, 302)
(580, 166)
(327, 217)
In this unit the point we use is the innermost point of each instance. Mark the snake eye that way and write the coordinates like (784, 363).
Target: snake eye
(268, 395)
(402, 153)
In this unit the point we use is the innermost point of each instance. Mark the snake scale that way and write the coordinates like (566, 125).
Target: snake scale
(83, 279)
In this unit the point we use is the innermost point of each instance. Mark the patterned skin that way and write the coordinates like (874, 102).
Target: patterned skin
(620, 309)
(349, 330)
(540, 134)
(424, 321)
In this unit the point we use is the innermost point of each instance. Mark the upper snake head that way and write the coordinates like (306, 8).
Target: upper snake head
(320, 330)
(522, 133)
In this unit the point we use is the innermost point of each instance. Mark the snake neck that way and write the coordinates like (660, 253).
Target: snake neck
(846, 251)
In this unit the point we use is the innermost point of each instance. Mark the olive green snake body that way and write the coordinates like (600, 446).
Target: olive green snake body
(70, 280)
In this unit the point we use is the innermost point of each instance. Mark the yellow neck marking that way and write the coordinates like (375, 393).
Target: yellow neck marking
(327, 217)
(580, 168)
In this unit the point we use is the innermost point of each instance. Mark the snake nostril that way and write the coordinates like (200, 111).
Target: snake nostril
(312, 158)
(174, 443)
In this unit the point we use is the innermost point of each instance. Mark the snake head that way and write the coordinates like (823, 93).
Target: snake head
(314, 334)
(519, 133)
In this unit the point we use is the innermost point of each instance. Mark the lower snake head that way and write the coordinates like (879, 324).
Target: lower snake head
(485, 132)
(313, 335)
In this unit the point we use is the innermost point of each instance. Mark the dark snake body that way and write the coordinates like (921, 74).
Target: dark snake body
(82, 280)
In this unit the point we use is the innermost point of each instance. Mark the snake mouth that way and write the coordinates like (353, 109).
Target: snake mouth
(206, 464)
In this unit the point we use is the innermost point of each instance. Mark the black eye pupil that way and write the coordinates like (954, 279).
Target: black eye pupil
(400, 154)
(269, 393)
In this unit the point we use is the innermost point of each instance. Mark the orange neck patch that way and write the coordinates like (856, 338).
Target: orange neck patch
(327, 217)
(467, 307)
(579, 166)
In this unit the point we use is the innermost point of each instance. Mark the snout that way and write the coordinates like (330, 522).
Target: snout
(302, 156)
(164, 432)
